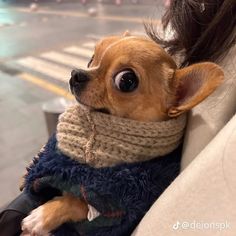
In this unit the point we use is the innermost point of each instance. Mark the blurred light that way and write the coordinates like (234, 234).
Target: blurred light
(6, 17)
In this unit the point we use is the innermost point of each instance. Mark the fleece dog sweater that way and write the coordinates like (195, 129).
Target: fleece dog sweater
(118, 166)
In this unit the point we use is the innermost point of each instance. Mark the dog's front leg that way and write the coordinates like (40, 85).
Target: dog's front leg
(54, 213)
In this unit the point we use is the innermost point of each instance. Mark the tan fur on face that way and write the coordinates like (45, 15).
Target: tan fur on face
(160, 82)
(150, 63)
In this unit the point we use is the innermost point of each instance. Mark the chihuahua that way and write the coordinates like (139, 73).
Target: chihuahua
(134, 78)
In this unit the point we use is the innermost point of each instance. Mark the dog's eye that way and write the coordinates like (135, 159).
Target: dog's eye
(126, 81)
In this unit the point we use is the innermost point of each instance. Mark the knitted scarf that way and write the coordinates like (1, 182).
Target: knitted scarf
(102, 140)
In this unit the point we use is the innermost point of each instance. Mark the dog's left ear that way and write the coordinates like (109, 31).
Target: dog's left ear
(193, 84)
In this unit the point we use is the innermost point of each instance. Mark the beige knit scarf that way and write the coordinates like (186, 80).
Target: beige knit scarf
(102, 140)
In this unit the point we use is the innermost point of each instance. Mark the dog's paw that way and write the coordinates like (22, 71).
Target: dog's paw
(34, 224)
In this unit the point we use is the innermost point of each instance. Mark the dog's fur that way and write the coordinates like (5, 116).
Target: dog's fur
(163, 92)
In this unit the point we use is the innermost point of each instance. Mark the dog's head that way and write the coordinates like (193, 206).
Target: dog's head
(133, 77)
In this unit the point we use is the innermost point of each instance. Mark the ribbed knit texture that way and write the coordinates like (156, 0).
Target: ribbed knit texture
(102, 140)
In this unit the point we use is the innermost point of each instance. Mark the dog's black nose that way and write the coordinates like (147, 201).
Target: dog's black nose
(79, 78)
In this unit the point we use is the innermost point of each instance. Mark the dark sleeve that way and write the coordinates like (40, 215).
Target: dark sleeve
(12, 215)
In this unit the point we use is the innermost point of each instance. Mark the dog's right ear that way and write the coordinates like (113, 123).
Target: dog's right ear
(193, 84)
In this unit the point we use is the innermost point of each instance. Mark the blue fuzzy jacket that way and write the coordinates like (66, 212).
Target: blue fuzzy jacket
(122, 194)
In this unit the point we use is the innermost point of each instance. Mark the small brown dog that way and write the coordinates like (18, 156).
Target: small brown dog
(129, 77)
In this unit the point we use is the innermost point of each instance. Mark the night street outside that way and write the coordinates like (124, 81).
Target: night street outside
(39, 46)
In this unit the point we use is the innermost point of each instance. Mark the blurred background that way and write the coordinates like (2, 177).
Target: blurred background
(40, 42)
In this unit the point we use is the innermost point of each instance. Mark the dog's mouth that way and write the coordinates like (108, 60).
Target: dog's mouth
(103, 110)
(79, 100)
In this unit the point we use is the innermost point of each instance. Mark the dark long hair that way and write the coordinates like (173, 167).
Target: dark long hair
(204, 30)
